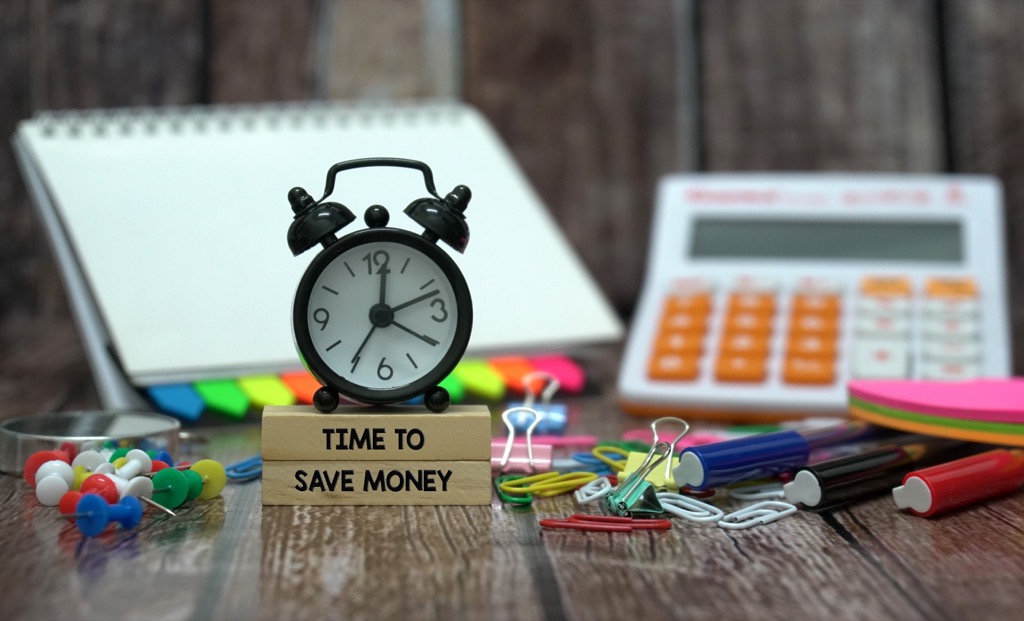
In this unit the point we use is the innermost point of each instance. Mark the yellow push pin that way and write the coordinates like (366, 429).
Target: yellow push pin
(213, 476)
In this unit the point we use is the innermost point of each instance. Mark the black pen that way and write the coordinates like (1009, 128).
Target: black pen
(835, 482)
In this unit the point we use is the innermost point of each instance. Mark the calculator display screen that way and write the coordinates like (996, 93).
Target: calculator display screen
(892, 240)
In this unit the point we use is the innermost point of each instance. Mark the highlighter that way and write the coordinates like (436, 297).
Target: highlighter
(761, 456)
(931, 491)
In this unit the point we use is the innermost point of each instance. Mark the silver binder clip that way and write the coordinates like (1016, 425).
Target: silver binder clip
(654, 431)
(764, 512)
(518, 457)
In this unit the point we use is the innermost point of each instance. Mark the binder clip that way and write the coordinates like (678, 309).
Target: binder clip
(513, 457)
(661, 480)
(634, 495)
(555, 416)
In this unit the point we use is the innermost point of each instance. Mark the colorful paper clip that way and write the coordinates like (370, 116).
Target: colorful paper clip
(245, 470)
(547, 484)
(635, 495)
(761, 491)
(689, 508)
(519, 498)
(594, 491)
(555, 416)
(520, 457)
(611, 456)
(606, 523)
(764, 512)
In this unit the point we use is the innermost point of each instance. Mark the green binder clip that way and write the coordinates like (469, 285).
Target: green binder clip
(635, 496)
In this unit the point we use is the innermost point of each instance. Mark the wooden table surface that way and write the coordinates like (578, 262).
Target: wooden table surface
(231, 558)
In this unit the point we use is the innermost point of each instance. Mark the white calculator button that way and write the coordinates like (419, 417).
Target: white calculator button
(814, 285)
(950, 370)
(950, 327)
(951, 306)
(875, 305)
(758, 284)
(890, 325)
(880, 359)
(952, 350)
(691, 285)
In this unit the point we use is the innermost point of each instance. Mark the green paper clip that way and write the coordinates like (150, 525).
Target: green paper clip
(635, 496)
(515, 499)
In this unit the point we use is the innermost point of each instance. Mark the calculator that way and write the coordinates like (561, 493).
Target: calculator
(764, 294)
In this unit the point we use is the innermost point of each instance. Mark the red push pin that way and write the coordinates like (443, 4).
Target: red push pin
(38, 459)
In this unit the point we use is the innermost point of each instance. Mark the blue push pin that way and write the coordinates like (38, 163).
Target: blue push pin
(165, 457)
(93, 514)
(553, 415)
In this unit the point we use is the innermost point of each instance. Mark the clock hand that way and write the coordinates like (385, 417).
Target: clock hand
(355, 359)
(383, 282)
(431, 294)
(425, 339)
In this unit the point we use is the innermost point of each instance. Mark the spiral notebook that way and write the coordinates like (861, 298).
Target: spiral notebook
(169, 226)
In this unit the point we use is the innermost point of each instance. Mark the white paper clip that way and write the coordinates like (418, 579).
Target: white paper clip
(757, 492)
(764, 512)
(511, 457)
(594, 491)
(689, 508)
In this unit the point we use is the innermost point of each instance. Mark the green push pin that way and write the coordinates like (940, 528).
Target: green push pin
(118, 453)
(170, 488)
(195, 484)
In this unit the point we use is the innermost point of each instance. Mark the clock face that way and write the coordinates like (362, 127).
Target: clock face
(385, 317)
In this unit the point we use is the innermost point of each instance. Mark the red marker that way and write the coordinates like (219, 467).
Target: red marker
(960, 483)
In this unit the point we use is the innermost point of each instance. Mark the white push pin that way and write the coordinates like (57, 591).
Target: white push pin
(53, 480)
(90, 459)
(139, 487)
(138, 462)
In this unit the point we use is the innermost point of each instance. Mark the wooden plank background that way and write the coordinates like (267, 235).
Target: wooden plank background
(596, 99)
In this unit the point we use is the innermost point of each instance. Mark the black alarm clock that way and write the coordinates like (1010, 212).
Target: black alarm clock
(382, 315)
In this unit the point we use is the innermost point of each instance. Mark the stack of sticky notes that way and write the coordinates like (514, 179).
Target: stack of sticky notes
(362, 455)
(984, 410)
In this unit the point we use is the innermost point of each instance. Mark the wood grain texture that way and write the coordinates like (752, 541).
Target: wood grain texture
(823, 85)
(595, 100)
(262, 50)
(385, 483)
(462, 432)
(986, 108)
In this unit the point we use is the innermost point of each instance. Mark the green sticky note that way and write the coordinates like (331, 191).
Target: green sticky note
(265, 390)
(224, 396)
(479, 378)
(454, 387)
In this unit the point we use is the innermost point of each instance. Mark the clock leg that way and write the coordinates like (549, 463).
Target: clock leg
(325, 400)
(437, 399)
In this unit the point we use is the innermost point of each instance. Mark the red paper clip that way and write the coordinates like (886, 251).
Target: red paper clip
(606, 523)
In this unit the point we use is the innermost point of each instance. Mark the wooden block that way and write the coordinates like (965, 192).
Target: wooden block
(462, 432)
(376, 482)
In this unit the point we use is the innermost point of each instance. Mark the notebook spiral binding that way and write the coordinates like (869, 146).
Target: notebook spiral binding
(242, 117)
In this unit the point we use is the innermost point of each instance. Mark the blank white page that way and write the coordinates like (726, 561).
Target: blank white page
(179, 220)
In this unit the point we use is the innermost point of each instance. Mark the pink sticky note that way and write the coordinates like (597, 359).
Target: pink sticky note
(994, 400)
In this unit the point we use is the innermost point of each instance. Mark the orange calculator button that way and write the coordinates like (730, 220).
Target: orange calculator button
(673, 367)
(685, 343)
(748, 322)
(744, 344)
(811, 346)
(810, 303)
(695, 304)
(762, 303)
(885, 286)
(740, 369)
(808, 371)
(814, 323)
(951, 288)
(684, 322)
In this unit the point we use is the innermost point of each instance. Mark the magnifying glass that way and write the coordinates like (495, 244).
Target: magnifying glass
(22, 436)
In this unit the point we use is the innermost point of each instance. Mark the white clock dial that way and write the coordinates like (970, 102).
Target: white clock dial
(382, 315)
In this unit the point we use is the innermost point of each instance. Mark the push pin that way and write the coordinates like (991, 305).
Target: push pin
(635, 495)
(139, 487)
(92, 514)
(554, 416)
(518, 457)
(137, 462)
(38, 459)
(53, 479)
(89, 460)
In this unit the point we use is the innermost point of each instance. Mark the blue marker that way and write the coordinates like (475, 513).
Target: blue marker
(760, 456)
